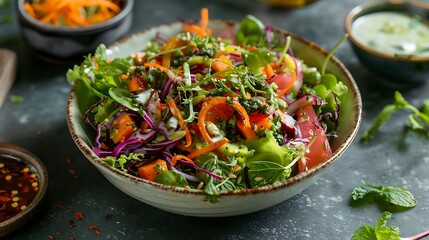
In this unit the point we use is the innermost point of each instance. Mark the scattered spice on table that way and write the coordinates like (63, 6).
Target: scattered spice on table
(72, 223)
(78, 215)
(18, 186)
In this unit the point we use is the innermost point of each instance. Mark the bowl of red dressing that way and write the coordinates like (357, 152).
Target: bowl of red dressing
(23, 184)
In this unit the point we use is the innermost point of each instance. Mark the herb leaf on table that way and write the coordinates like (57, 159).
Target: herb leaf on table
(418, 119)
(382, 232)
(398, 196)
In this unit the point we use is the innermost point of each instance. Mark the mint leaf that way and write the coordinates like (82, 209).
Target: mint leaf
(382, 232)
(398, 196)
(364, 233)
(379, 232)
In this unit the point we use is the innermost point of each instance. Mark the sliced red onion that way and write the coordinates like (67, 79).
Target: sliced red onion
(184, 162)
(188, 177)
(146, 150)
(161, 37)
(135, 142)
(149, 120)
(97, 136)
(153, 107)
(101, 153)
(303, 102)
(165, 91)
(268, 31)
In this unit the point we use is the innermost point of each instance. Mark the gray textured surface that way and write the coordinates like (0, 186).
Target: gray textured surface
(395, 157)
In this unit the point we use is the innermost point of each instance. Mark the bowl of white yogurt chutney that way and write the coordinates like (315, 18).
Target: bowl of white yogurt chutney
(391, 39)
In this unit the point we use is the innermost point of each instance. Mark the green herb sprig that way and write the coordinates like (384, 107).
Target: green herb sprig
(398, 196)
(382, 232)
(418, 119)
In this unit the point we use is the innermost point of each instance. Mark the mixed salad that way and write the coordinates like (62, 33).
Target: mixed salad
(212, 112)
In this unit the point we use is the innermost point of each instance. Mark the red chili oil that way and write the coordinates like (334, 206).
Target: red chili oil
(18, 186)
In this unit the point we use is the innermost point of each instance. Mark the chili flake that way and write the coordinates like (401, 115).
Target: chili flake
(78, 215)
(18, 186)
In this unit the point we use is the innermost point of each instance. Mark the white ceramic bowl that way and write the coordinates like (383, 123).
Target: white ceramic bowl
(231, 203)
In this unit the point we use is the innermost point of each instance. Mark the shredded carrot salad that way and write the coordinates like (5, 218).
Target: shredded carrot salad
(76, 13)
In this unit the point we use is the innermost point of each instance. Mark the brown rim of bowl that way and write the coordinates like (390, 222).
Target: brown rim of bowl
(128, 5)
(354, 14)
(31, 159)
(84, 148)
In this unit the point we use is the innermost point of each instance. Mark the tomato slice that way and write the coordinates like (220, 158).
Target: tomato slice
(282, 80)
(310, 127)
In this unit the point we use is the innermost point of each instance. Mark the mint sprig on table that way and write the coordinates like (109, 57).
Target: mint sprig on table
(418, 119)
(398, 196)
(383, 232)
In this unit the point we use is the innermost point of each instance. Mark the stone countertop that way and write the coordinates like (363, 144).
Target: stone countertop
(396, 157)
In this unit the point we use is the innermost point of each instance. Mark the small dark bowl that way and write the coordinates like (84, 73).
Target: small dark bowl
(396, 71)
(10, 225)
(70, 44)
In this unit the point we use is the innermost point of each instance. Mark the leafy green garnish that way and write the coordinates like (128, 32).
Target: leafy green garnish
(261, 173)
(382, 232)
(398, 196)
(418, 120)
(120, 162)
(257, 59)
(252, 30)
(379, 232)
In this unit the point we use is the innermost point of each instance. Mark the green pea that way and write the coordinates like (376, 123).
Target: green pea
(321, 91)
(329, 80)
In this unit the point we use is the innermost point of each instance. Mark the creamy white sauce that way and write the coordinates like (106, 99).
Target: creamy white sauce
(393, 33)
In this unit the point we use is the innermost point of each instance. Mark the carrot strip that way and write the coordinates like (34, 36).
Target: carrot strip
(182, 147)
(289, 86)
(156, 65)
(204, 19)
(194, 28)
(182, 123)
(201, 30)
(243, 122)
(179, 156)
(166, 58)
(29, 9)
(221, 63)
(72, 13)
(209, 148)
(269, 71)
